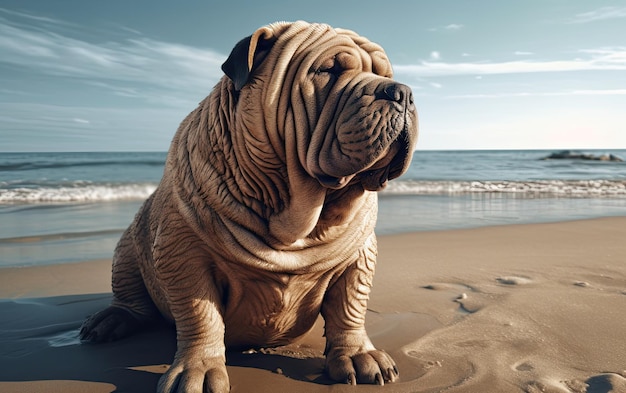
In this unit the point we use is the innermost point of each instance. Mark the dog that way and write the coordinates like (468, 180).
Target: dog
(265, 214)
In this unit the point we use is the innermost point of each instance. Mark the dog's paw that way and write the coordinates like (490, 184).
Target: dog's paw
(193, 374)
(110, 324)
(353, 366)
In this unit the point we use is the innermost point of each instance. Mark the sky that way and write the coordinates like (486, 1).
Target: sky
(121, 75)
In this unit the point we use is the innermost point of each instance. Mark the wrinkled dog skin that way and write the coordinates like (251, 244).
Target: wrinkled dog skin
(265, 214)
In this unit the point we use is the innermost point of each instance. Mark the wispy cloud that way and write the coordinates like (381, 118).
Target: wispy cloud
(37, 18)
(599, 92)
(522, 53)
(599, 14)
(450, 27)
(42, 127)
(13, 92)
(587, 60)
(123, 65)
(453, 26)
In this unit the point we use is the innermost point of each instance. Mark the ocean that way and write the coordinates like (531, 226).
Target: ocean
(69, 207)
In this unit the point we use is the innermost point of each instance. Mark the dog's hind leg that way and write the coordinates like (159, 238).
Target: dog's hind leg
(131, 308)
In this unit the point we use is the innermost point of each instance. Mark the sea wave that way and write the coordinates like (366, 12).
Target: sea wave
(91, 192)
(558, 188)
(60, 236)
(51, 164)
(79, 192)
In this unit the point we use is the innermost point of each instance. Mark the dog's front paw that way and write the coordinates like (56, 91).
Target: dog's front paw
(352, 365)
(193, 374)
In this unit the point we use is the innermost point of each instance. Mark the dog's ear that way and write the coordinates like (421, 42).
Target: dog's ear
(247, 55)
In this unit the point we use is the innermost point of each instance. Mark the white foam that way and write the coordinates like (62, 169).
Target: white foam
(564, 188)
(78, 193)
(81, 191)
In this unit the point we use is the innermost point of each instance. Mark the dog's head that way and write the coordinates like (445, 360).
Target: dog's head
(325, 98)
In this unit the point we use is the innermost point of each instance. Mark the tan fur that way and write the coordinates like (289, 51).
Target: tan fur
(265, 214)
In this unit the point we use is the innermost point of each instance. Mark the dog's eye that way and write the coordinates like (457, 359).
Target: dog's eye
(330, 66)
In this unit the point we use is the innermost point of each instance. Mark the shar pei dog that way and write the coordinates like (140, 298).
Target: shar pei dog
(265, 214)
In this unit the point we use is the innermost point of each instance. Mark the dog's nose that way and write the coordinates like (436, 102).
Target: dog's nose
(397, 92)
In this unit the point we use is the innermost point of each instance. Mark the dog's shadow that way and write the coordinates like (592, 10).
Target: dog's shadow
(300, 369)
(39, 342)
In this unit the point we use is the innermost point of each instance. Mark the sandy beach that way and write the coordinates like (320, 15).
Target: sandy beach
(517, 308)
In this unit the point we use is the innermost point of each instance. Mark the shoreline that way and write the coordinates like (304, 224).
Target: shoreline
(516, 308)
(79, 276)
(89, 231)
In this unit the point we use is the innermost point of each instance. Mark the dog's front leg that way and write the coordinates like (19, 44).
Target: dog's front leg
(193, 298)
(350, 355)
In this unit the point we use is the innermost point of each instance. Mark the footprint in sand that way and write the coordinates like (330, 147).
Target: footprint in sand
(449, 287)
(524, 366)
(550, 386)
(468, 306)
(514, 280)
(609, 382)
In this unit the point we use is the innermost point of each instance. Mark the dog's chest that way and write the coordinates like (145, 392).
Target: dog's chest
(273, 310)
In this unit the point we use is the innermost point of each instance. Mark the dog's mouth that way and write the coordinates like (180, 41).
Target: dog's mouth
(389, 166)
